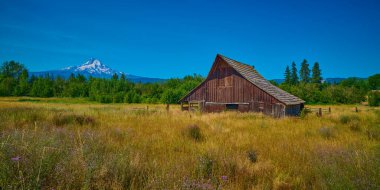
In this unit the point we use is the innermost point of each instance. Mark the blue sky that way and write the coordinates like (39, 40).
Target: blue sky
(176, 38)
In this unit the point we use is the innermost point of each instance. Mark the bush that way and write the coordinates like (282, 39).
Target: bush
(194, 132)
(344, 119)
(374, 98)
(252, 156)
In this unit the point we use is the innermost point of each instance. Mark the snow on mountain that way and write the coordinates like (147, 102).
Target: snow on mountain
(94, 68)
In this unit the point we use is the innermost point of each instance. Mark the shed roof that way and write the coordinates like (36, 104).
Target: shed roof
(249, 73)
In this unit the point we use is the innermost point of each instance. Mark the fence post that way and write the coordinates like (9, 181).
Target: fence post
(320, 112)
(147, 108)
(356, 109)
(329, 109)
(167, 107)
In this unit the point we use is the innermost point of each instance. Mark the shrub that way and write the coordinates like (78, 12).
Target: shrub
(344, 119)
(194, 132)
(374, 98)
(252, 156)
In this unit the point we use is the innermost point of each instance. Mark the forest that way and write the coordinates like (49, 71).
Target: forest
(306, 84)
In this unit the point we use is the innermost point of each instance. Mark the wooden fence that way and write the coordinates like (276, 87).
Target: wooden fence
(318, 111)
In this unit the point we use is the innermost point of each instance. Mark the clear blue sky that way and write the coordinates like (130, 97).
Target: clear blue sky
(175, 38)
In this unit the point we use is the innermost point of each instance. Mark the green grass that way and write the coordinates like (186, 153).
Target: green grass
(60, 145)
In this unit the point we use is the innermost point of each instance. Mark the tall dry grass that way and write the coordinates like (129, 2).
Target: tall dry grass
(92, 146)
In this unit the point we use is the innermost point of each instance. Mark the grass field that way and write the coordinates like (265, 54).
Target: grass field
(76, 144)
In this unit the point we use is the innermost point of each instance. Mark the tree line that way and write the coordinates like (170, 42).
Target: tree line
(309, 86)
(306, 84)
(15, 81)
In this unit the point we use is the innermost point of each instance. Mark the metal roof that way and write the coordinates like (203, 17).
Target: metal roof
(249, 73)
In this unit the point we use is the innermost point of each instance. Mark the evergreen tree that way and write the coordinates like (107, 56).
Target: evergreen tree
(294, 75)
(72, 77)
(122, 77)
(287, 75)
(305, 72)
(317, 74)
(115, 76)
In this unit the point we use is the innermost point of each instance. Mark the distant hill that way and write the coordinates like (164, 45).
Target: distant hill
(94, 68)
(327, 80)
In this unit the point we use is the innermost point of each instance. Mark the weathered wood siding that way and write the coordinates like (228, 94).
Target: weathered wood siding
(225, 85)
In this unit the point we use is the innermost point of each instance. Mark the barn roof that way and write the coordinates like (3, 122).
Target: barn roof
(249, 73)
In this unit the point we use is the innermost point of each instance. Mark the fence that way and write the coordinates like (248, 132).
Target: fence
(318, 111)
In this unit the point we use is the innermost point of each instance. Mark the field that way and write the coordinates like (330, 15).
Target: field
(75, 144)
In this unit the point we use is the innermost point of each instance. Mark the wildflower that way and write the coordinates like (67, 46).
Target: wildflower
(17, 158)
(224, 178)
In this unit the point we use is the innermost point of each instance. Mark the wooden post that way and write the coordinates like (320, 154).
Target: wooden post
(320, 112)
(181, 106)
(200, 106)
(329, 109)
(167, 107)
(356, 109)
(147, 108)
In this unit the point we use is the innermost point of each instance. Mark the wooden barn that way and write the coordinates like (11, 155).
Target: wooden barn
(231, 85)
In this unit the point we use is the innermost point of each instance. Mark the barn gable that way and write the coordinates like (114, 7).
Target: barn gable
(249, 73)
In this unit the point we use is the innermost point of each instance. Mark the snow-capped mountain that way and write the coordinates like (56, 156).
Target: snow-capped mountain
(93, 68)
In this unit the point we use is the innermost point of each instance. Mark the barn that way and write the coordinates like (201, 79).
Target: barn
(232, 85)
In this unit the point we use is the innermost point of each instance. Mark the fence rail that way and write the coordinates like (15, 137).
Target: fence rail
(318, 111)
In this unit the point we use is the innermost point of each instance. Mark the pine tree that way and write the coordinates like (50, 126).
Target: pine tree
(115, 77)
(122, 77)
(287, 75)
(305, 72)
(317, 74)
(294, 75)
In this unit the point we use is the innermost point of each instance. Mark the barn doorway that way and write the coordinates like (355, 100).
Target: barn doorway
(232, 106)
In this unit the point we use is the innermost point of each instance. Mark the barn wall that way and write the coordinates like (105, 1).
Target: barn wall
(225, 85)
(215, 107)
(223, 107)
